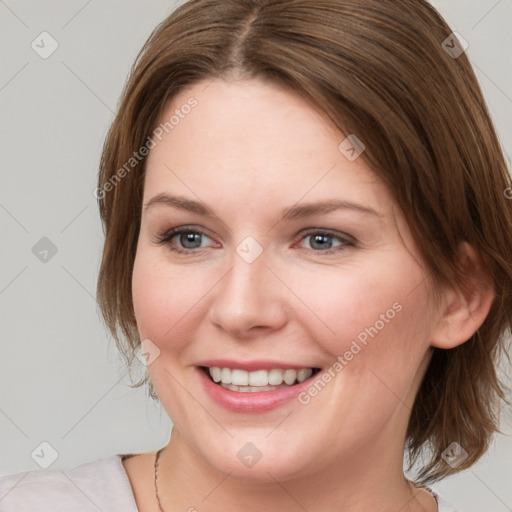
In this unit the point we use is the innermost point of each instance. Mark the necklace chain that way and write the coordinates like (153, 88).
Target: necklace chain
(156, 479)
(157, 458)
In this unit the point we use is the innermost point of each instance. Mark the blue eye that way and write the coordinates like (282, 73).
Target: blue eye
(323, 241)
(189, 239)
(186, 240)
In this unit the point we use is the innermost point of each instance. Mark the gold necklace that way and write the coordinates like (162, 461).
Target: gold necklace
(156, 479)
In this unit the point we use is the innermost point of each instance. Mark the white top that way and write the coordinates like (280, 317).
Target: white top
(101, 485)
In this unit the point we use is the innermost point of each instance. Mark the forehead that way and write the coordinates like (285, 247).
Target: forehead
(269, 145)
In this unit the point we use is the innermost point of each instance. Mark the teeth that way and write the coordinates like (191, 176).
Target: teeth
(275, 377)
(238, 377)
(259, 380)
(216, 374)
(304, 374)
(290, 376)
(225, 375)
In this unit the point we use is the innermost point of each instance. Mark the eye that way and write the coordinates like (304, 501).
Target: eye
(187, 239)
(325, 241)
(184, 239)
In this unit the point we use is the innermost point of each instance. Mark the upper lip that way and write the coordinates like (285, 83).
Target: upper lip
(254, 365)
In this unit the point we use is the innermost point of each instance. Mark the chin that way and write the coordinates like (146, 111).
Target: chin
(259, 460)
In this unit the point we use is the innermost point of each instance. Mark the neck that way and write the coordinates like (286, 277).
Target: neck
(186, 481)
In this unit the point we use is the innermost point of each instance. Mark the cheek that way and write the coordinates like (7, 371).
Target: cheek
(379, 317)
(146, 293)
(162, 295)
(378, 307)
(170, 300)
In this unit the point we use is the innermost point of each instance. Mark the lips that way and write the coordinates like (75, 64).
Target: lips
(255, 364)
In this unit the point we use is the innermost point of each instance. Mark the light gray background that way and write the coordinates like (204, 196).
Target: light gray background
(61, 380)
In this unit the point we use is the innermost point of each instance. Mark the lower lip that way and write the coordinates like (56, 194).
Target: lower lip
(257, 401)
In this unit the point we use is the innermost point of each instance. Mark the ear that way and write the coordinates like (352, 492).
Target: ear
(464, 309)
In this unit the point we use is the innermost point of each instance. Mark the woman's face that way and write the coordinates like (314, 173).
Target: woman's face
(272, 275)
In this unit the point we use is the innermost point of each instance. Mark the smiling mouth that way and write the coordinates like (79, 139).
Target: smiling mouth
(239, 380)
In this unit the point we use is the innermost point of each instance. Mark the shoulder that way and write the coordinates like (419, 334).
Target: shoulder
(98, 485)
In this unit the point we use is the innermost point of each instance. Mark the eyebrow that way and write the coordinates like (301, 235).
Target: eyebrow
(291, 213)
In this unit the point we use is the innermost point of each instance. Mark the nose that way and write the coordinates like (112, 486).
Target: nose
(249, 300)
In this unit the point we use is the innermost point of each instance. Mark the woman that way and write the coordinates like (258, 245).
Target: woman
(306, 219)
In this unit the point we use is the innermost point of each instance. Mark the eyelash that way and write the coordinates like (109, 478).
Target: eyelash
(165, 239)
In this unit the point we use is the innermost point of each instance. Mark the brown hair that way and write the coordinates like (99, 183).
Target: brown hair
(380, 70)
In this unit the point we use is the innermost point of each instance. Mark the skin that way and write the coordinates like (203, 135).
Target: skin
(248, 150)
